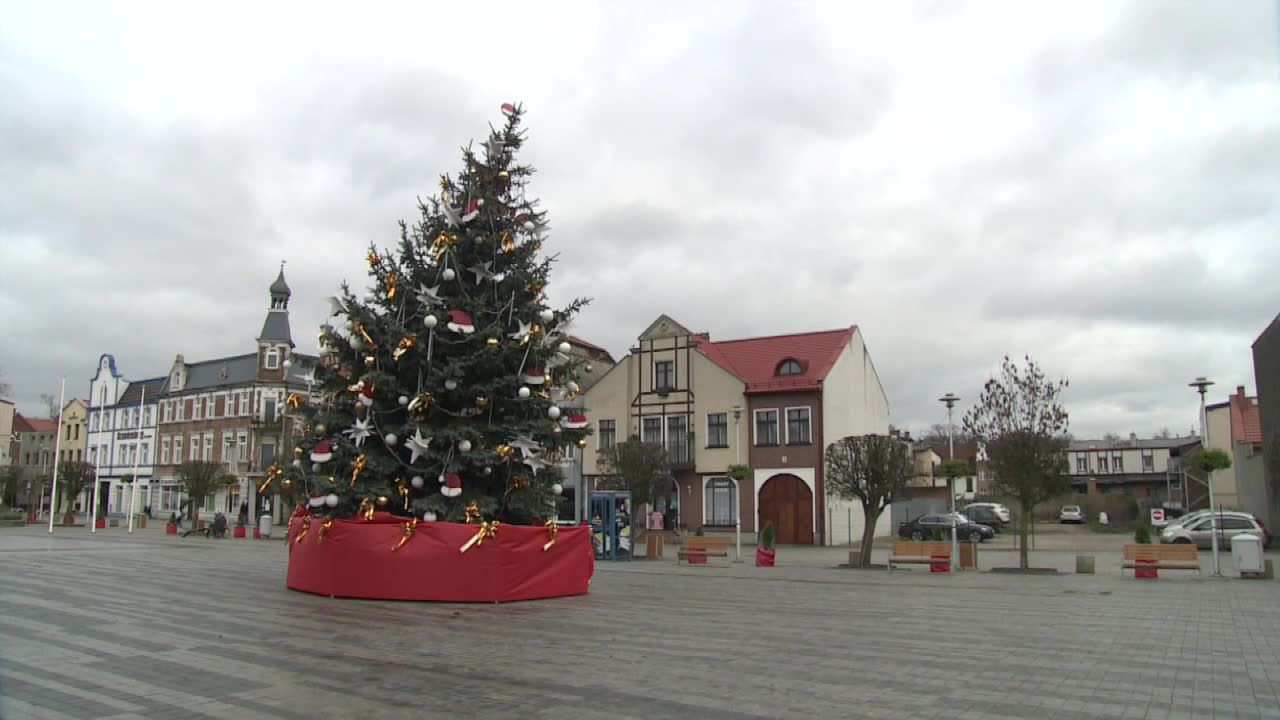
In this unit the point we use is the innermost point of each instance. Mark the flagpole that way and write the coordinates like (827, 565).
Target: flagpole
(137, 455)
(97, 474)
(57, 443)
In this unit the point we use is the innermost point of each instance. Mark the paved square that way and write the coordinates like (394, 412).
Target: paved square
(149, 626)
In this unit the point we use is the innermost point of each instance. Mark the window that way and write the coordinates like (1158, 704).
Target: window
(208, 502)
(273, 359)
(195, 448)
(269, 410)
(196, 407)
(1148, 461)
(78, 430)
(790, 367)
(146, 416)
(651, 430)
(968, 484)
(242, 441)
(145, 453)
(678, 438)
(664, 374)
(798, 426)
(1082, 464)
(208, 447)
(1117, 463)
(93, 424)
(164, 451)
(1102, 463)
(717, 430)
(209, 407)
(228, 447)
(244, 402)
(721, 505)
(166, 412)
(766, 427)
(608, 431)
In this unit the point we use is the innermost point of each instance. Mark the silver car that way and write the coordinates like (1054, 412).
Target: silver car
(1071, 514)
(1198, 530)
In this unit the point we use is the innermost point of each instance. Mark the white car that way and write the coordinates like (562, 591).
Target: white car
(1071, 514)
(1001, 511)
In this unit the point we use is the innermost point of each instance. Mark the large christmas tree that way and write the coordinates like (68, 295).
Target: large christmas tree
(443, 392)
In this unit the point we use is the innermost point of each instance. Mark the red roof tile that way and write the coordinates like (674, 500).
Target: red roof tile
(575, 340)
(1246, 420)
(755, 360)
(22, 423)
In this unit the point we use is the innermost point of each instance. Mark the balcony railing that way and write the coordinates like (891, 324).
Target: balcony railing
(680, 449)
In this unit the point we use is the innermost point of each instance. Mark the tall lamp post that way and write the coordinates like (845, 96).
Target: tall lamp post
(1201, 384)
(950, 400)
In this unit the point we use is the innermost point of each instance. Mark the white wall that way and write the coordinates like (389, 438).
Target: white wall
(853, 403)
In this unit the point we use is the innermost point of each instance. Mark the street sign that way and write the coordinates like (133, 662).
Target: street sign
(1157, 516)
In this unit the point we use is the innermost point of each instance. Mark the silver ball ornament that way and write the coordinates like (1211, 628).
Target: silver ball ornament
(557, 489)
(391, 438)
(355, 342)
(331, 500)
(448, 274)
(417, 482)
(315, 467)
(564, 347)
(573, 386)
(553, 412)
(524, 393)
(431, 321)
(450, 384)
(547, 316)
(464, 445)
(428, 516)
(403, 400)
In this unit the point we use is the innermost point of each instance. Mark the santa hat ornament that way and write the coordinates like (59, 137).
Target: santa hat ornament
(365, 396)
(322, 452)
(316, 501)
(523, 220)
(472, 211)
(460, 321)
(508, 109)
(452, 487)
(576, 421)
(533, 375)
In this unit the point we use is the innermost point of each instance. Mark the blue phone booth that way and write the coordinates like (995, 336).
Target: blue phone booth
(610, 515)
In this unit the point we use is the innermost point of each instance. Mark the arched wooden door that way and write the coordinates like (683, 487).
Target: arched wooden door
(787, 502)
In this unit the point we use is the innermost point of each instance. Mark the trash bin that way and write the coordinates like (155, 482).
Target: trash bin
(264, 526)
(1246, 552)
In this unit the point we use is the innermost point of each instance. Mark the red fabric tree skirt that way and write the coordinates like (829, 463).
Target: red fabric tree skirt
(355, 560)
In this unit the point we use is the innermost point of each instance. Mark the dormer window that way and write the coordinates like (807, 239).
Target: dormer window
(790, 367)
(273, 359)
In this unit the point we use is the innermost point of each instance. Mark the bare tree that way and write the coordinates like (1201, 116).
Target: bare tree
(872, 469)
(1111, 437)
(5, 388)
(1164, 433)
(50, 401)
(937, 435)
(73, 477)
(1023, 428)
(636, 466)
(201, 479)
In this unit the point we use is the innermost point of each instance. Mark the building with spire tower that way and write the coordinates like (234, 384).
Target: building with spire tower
(232, 411)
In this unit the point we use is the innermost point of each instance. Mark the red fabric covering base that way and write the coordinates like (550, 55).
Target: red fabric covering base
(355, 560)
(764, 558)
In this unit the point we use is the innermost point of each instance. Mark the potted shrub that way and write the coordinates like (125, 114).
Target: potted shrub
(765, 551)
(239, 530)
(171, 528)
(697, 559)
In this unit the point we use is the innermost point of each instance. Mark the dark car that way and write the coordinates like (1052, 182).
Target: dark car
(983, 516)
(929, 526)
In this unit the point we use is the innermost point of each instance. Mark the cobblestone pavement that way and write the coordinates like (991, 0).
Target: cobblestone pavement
(149, 626)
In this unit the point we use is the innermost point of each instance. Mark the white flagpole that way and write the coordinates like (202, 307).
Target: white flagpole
(97, 473)
(137, 456)
(57, 443)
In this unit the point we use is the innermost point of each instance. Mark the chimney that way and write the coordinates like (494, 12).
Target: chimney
(1133, 438)
(1240, 392)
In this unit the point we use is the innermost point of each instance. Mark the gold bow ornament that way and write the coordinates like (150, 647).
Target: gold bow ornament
(552, 529)
(487, 530)
(406, 532)
(306, 525)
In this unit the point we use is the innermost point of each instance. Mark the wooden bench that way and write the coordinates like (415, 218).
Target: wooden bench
(916, 552)
(706, 546)
(1181, 556)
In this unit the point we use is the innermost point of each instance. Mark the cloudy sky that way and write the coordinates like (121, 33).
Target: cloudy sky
(1095, 184)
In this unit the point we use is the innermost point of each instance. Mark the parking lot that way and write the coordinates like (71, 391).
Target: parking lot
(149, 626)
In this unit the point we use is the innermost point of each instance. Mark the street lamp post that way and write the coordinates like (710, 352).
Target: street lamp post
(737, 484)
(1201, 384)
(950, 400)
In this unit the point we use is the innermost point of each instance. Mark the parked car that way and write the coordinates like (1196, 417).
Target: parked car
(1001, 511)
(984, 516)
(927, 526)
(1199, 531)
(1071, 514)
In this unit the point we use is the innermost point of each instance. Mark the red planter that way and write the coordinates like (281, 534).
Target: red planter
(939, 564)
(366, 559)
(764, 558)
(171, 529)
(238, 531)
(257, 533)
(1148, 573)
(100, 523)
(697, 559)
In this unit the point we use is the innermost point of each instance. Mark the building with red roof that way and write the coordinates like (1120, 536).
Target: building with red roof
(771, 403)
(1266, 374)
(1235, 426)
